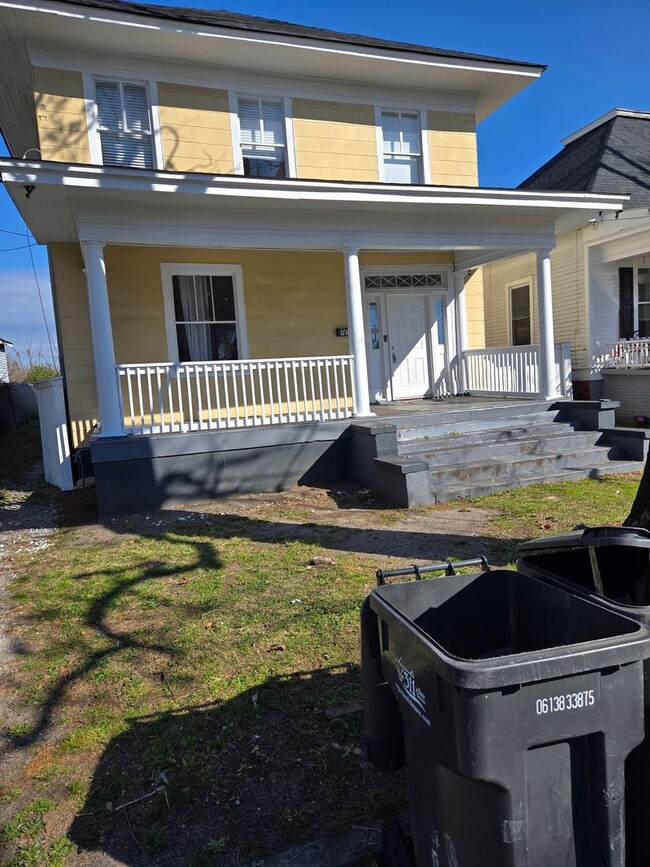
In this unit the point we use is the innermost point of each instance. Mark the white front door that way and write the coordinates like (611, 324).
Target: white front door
(409, 357)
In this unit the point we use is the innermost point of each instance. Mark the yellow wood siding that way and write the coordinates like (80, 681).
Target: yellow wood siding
(452, 149)
(335, 141)
(73, 328)
(569, 297)
(475, 307)
(61, 115)
(195, 128)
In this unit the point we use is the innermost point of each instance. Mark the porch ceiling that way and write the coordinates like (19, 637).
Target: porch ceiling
(128, 206)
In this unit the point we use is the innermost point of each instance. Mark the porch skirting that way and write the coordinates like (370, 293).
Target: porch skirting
(145, 473)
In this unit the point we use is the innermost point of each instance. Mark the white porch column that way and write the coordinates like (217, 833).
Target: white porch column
(101, 331)
(356, 331)
(547, 383)
(461, 327)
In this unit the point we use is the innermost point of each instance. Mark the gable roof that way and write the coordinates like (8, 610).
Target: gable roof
(237, 21)
(611, 155)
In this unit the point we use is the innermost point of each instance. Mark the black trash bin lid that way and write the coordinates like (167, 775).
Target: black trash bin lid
(591, 537)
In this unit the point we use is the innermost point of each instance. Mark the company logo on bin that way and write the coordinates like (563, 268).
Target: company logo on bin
(410, 691)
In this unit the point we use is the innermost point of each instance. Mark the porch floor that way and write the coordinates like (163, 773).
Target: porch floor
(398, 408)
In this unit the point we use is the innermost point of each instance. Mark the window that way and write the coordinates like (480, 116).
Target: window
(520, 326)
(124, 124)
(402, 147)
(204, 312)
(262, 139)
(634, 302)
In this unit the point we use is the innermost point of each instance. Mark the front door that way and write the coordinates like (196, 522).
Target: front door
(409, 358)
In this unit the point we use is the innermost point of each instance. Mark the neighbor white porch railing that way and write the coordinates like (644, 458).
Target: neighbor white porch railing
(626, 353)
(514, 370)
(216, 395)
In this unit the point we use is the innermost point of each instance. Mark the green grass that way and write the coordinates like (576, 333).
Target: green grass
(23, 446)
(206, 652)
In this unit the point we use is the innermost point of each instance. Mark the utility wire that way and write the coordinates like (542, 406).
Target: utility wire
(40, 295)
(11, 249)
(9, 232)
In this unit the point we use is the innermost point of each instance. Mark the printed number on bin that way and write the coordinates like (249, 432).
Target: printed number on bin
(570, 701)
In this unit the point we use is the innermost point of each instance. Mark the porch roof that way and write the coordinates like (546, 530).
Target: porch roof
(132, 206)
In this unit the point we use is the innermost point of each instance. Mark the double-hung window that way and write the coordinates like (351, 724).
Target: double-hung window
(124, 123)
(520, 321)
(262, 137)
(634, 310)
(402, 147)
(204, 312)
(643, 301)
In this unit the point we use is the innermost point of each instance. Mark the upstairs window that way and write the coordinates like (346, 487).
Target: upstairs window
(402, 147)
(124, 124)
(520, 326)
(262, 139)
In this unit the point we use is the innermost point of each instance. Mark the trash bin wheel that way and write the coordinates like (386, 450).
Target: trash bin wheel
(396, 848)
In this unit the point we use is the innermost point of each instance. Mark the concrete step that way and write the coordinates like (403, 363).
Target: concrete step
(518, 467)
(556, 444)
(442, 424)
(445, 492)
(494, 436)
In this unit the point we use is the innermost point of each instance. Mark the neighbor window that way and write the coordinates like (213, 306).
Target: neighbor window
(402, 147)
(634, 302)
(124, 124)
(262, 139)
(643, 303)
(520, 330)
(205, 317)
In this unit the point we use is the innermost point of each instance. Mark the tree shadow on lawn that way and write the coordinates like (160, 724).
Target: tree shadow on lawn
(235, 780)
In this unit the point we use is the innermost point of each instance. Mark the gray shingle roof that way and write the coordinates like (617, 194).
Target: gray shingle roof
(613, 158)
(237, 21)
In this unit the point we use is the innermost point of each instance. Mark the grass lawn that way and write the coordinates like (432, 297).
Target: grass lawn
(186, 683)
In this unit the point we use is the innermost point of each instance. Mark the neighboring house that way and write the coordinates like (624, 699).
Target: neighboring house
(4, 370)
(256, 230)
(600, 269)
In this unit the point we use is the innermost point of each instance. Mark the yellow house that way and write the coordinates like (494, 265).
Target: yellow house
(257, 232)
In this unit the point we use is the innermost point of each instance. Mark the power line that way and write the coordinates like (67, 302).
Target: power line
(11, 249)
(40, 295)
(9, 232)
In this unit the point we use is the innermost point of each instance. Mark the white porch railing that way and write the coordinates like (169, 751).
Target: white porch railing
(217, 395)
(514, 370)
(626, 353)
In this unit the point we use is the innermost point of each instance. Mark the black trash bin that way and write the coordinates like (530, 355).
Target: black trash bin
(519, 703)
(610, 565)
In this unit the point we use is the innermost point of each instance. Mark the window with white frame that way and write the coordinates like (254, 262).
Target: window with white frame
(520, 320)
(402, 147)
(262, 137)
(204, 308)
(643, 301)
(634, 301)
(124, 123)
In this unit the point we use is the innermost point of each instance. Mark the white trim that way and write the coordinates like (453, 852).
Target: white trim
(91, 118)
(292, 166)
(89, 77)
(156, 127)
(426, 158)
(72, 174)
(379, 136)
(517, 284)
(599, 121)
(171, 269)
(235, 132)
(274, 86)
(314, 45)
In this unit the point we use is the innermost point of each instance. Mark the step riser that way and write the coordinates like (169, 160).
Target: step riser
(444, 494)
(437, 428)
(497, 470)
(516, 449)
(456, 442)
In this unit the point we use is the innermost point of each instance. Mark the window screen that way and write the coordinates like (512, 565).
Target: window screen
(402, 147)
(124, 121)
(261, 123)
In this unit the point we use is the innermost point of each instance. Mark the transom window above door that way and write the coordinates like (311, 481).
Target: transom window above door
(204, 313)
(401, 147)
(262, 137)
(124, 123)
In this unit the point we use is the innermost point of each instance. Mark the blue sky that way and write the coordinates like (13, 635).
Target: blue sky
(596, 52)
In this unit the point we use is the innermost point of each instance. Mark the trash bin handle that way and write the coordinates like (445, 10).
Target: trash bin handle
(445, 566)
